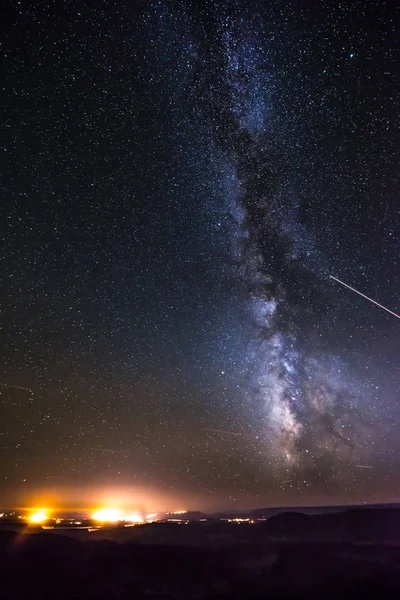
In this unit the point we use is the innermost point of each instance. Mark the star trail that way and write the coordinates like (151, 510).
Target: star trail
(179, 182)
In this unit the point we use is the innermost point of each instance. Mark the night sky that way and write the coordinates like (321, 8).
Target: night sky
(178, 182)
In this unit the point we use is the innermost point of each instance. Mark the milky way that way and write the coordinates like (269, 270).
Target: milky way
(311, 415)
(182, 179)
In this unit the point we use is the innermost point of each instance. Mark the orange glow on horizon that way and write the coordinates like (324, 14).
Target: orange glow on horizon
(107, 515)
(134, 518)
(38, 517)
(113, 515)
(86, 500)
(151, 517)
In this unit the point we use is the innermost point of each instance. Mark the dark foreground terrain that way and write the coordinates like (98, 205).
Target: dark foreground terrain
(353, 554)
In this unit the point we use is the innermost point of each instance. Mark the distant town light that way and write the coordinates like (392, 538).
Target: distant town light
(238, 520)
(134, 518)
(107, 515)
(151, 517)
(38, 517)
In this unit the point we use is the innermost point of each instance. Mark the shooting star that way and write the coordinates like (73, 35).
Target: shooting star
(110, 451)
(16, 387)
(364, 296)
(363, 466)
(223, 431)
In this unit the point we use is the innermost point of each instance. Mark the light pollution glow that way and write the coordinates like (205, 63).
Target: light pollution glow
(107, 515)
(101, 515)
(129, 499)
(126, 499)
(113, 515)
(113, 505)
(38, 516)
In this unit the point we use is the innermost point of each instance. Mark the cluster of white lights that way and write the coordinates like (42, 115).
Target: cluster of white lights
(112, 515)
(238, 520)
(101, 515)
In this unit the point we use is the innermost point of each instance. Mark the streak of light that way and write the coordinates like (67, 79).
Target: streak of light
(16, 387)
(364, 296)
(363, 466)
(223, 431)
(287, 481)
(111, 451)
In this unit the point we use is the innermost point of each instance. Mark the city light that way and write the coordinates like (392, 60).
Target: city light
(151, 517)
(238, 520)
(107, 515)
(134, 518)
(38, 517)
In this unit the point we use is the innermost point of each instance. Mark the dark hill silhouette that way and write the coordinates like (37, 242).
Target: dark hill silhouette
(290, 524)
(292, 555)
(380, 525)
